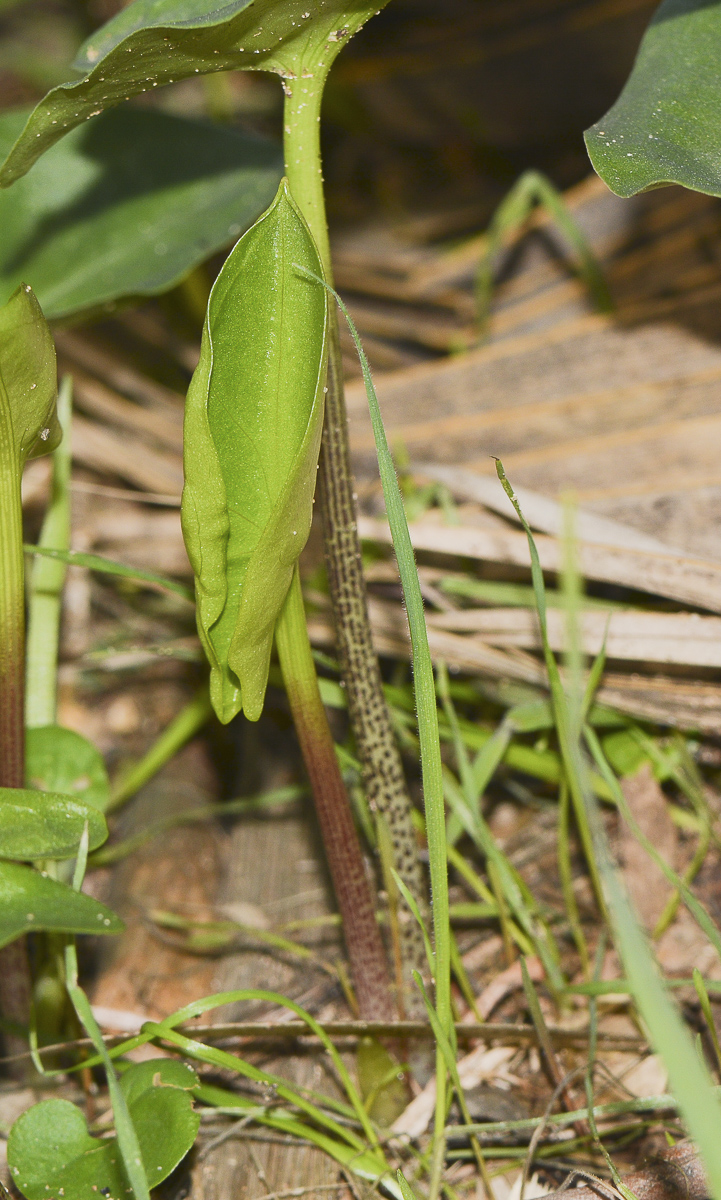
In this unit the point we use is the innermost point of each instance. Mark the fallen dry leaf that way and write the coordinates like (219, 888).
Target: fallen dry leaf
(480, 1066)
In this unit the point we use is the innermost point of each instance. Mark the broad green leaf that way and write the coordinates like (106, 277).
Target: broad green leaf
(30, 901)
(142, 1076)
(154, 42)
(665, 126)
(50, 1151)
(36, 824)
(61, 760)
(252, 434)
(128, 205)
(28, 382)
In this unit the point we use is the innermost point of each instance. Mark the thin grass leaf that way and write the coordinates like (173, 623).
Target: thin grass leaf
(449, 1051)
(413, 906)
(566, 876)
(95, 562)
(364, 1163)
(514, 210)
(702, 994)
(406, 1190)
(425, 695)
(558, 701)
(128, 1144)
(519, 899)
(690, 1080)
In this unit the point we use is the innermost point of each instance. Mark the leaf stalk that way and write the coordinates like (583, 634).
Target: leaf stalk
(345, 859)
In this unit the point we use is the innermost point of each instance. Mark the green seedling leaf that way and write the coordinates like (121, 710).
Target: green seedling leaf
(623, 752)
(252, 434)
(381, 1082)
(128, 205)
(156, 1072)
(664, 127)
(154, 42)
(50, 1151)
(61, 760)
(31, 901)
(36, 824)
(28, 382)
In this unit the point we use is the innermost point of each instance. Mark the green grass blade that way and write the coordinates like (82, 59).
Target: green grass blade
(689, 1078)
(95, 562)
(425, 695)
(128, 1144)
(558, 699)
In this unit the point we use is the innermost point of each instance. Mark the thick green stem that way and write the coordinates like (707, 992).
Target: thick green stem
(47, 579)
(383, 777)
(15, 988)
(340, 839)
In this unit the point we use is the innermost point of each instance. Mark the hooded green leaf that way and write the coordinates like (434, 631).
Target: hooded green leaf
(252, 435)
(28, 382)
(51, 1152)
(31, 901)
(61, 760)
(154, 42)
(665, 126)
(46, 824)
(127, 205)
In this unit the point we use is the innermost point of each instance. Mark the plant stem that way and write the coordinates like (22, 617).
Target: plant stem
(378, 752)
(15, 987)
(47, 579)
(345, 860)
(12, 621)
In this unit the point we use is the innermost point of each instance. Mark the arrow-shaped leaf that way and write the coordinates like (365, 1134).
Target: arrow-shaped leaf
(37, 824)
(665, 126)
(154, 42)
(61, 760)
(31, 901)
(50, 1151)
(252, 435)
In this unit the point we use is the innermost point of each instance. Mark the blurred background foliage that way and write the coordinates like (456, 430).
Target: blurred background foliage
(432, 108)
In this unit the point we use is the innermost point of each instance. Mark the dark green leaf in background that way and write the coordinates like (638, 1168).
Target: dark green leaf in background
(128, 205)
(665, 126)
(50, 1151)
(31, 901)
(155, 42)
(46, 825)
(61, 760)
(253, 422)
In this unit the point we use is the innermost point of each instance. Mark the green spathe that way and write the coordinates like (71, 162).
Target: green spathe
(665, 126)
(253, 423)
(127, 205)
(31, 901)
(51, 1152)
(154, 42)
(28, 382)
